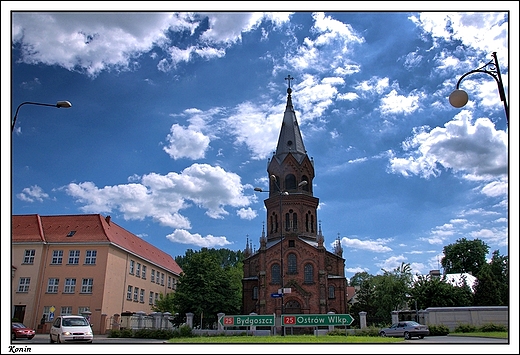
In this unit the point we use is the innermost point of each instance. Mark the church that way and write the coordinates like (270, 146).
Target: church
(292, 272)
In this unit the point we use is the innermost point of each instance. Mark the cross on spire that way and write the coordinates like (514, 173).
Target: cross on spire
(289, 78)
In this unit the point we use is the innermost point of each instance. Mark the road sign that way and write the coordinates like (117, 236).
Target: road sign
(241, 321)
(304, 320)
(276, 295)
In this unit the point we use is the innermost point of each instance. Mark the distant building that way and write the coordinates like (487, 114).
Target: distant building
(453, 279)
(84, 264)
(292, 272)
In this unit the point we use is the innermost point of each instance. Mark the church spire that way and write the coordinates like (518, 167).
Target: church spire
(290, 139)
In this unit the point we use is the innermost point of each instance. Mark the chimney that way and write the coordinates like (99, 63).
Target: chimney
(107, 219)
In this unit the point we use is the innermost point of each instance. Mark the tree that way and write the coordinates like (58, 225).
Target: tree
(492, 288)
(464, 256)
(206, 287)
(437, 292)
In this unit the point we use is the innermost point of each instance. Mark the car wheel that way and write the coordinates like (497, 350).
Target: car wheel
(58, 340)
(407, 336)
(52, 341)
(382, 334)
(13, 336)
(421, 336)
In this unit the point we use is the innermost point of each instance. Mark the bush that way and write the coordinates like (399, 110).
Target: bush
(114, 333)
(490, 327)
(465, 328)
(438, 330)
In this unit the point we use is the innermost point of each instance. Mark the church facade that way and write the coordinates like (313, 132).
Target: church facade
(292, 272)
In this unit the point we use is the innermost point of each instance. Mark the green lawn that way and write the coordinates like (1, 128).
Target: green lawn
(277, 339)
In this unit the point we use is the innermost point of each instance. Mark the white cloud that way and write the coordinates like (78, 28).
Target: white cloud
(377, 246)
(186, 143)
(477, 149)
(32, 194)
(184, 237)
(163, 197)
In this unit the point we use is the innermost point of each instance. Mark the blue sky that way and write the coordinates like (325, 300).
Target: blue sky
(175, 115)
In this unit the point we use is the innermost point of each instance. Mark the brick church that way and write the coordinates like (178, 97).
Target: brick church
(292, 272)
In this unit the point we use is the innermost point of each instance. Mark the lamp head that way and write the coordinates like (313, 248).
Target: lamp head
(258, 189)
(64, 104)
(458, 98)
(303, 183)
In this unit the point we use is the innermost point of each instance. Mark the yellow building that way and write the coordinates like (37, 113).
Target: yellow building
(84, 264)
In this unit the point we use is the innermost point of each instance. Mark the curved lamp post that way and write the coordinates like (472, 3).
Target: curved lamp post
(64, 104)
(459, 98)
(281, 193)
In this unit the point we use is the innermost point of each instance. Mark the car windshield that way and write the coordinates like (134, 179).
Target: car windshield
(74, 322)
(412, 323)
(18, 325)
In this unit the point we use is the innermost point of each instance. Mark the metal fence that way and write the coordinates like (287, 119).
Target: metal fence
(140, 320)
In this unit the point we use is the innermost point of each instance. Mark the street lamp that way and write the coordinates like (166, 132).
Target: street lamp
(64, 104)
(281, 193)
(458, 98)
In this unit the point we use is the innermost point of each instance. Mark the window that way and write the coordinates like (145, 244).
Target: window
(47, 312)
(129, 293)
(156, 298)
(152, 278)
(74, 257)
(275, 274)
(66, 311)
(169, 282)
(83, 309)
(23, 285)
(86, 285)
(28, 257)
(132, 265)
(141, 296)
(90, 257)
(331, 291)
(143, 274)
(162, 279)
(52, 286)
(291, 243)
(70, 286)
(136, 294)
(308, 274)
(295, 222)
(291, 268)
(138, 270)
(57, 257)
(255, 292)
(150, 298)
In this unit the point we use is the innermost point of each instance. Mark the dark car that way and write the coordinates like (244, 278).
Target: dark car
(20, 331)
(406, 329)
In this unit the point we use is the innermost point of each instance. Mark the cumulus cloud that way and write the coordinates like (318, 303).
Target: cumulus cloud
(163, 197)
(32, 194)
(476, 149)
(182, 236)
(376, 246)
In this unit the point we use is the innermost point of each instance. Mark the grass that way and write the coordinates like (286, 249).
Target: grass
(288, 339)
(502, 335)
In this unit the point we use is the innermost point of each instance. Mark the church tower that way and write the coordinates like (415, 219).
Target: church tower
(292, 272)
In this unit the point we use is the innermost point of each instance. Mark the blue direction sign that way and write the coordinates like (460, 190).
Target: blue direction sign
(305, 320)
(241, 321)
(276, 295)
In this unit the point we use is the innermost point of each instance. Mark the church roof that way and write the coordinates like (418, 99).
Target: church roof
(290, 139)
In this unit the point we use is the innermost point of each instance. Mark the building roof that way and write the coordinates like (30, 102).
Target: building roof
(87, 228)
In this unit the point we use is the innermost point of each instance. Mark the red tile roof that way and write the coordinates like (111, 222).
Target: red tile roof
(87, 228)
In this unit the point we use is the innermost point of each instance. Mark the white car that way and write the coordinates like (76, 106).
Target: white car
(71, 329)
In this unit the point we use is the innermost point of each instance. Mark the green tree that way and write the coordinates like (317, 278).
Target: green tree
(209, 284)
(437, 292)
(464, 256)
(358, 278)
(492, 287)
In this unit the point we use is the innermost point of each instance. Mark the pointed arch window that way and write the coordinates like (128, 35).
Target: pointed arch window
(292, 265)
(275, 274)
(295, 222)
(255, 292)
(308, 274)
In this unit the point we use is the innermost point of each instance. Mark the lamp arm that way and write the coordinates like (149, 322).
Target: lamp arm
(492, 68)
(28, 103)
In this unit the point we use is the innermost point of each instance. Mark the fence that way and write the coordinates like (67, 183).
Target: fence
(140, 320)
